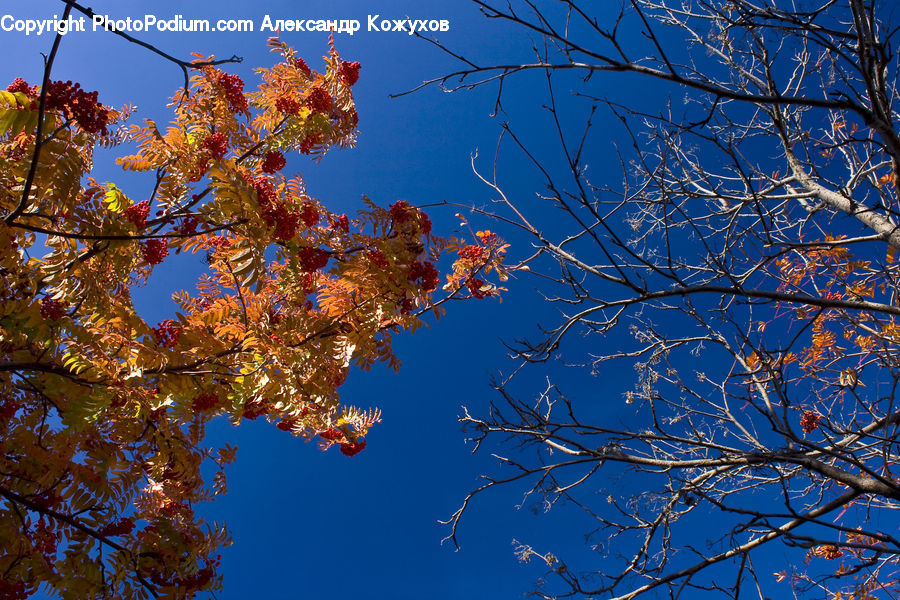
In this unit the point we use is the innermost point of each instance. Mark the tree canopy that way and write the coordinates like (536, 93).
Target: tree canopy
(102, 414)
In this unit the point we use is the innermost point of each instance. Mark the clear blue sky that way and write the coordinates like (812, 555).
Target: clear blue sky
(314, 525)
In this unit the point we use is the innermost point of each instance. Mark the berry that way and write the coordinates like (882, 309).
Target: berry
(217, 243)
(233, 87)
(138, 213)
(312, 259)
(301, 65)
(154, 251)
(120, 527)
(205, 401)
(19, 85)
(309, 215)
(353, 448)
(13, 591)
(487, 237)
(425, 272)
(255, 409)
(73, 102)
(167, 333)
(287, 105)
(8, 410)
(188, 226)
(273, 162)
(424, 223)
(265, 191)
(399, 211)
(217, 145)
(377, 258)
(809, 421)
(286, 224)
(319, 100)
(51, 309)
(342, 223)
(331, 434)
(350, 72)
(311, 140)
(274, 213)
(474, 254)
(287, 424)
(475, 288)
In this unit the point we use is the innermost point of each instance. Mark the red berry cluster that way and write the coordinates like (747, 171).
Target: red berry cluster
(400, 211)
(308, 280)
(8, 410)
(829, 552)
(21, 86)
(47, 499)
(308, 408)
(218, 243)
(82, 106)
(475, 288)
(52, 310)
(188, 226)
(273, 162)
(312, 259)
(287, 424)
(288, 105)
(205, 401)
(353, 448)
(186, 582)
(472, 253)
(265, 191)
(331, 434)
(809, 421)
(309, 215)
(154, 251)
(138, 213)
(216, 144)
(406, 306)
(426, 273)
(342, 223)
(285, 224)
(45, 539)
(233, 87)
(319, 100)
(256, 408)
(275, 213)
(377, 258)
(120, 527)
(350, 72)
(308, 142)
(197, 580)
(424, 223)
(301, 65)
(13, 591)
(167, 333)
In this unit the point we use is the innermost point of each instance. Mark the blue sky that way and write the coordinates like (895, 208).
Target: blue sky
(309, 524)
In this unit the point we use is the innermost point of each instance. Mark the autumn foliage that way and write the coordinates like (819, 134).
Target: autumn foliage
(102, 414)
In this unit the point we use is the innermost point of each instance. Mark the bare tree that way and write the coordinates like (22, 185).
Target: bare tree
(745, 269)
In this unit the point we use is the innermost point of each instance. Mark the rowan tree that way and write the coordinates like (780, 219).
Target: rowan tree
(102, 414)
(744, 270)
